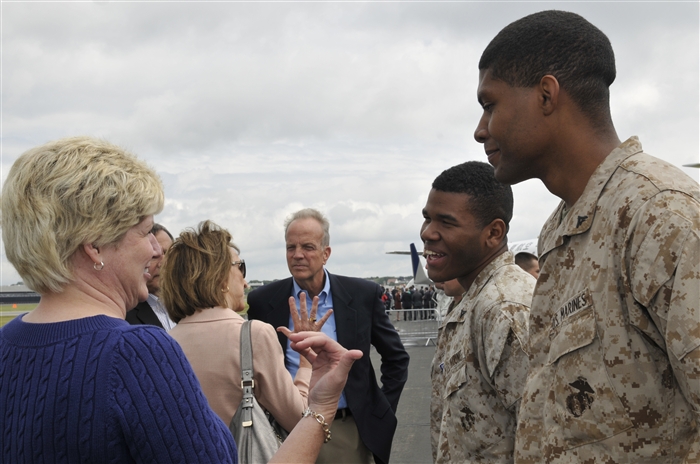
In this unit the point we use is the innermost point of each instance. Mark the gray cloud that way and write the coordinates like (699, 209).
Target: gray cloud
(250, 111)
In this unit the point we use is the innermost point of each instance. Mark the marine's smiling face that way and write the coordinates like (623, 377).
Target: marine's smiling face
(511, 128)
(452, 236)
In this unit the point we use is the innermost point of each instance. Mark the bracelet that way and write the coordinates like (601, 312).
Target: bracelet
(321, 420)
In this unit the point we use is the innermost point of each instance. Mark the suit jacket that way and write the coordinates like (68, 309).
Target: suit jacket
(360, 321)
(143, 314)
(406, 300)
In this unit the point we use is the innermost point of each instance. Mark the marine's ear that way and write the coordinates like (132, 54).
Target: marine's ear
(494, 233)
(548, 89)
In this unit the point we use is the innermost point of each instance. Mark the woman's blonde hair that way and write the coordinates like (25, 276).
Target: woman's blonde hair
(195, 270)
(66, 193)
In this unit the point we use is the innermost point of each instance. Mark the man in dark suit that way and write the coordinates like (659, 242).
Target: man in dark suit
(365, 422)
(152, 311)
(407, 302)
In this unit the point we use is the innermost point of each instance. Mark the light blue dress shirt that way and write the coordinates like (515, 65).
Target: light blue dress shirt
(325, 302)
(160, 311)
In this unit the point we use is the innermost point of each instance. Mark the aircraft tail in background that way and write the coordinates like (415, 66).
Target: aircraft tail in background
(524, 246)
(419, 276)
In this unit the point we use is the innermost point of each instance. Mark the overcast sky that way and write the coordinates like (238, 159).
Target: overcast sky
(250, 111)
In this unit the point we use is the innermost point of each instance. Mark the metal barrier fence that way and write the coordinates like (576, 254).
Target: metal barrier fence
(416, 325)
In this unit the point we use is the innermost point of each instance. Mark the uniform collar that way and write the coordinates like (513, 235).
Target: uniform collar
(484, 276)
(458, 312)
(580, 217)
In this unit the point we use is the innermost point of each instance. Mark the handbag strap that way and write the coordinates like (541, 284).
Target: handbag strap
(247, 382)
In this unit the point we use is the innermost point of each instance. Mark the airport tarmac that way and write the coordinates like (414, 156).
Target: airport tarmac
(412, 438)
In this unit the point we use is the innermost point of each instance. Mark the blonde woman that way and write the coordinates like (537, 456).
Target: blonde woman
(77, 382)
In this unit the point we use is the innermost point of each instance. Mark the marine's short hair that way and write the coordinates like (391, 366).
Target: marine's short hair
(197, 267)
(525, 260)
(562, 44)
(66, 193)
(161, 228)
(489, 199)
(313, 214)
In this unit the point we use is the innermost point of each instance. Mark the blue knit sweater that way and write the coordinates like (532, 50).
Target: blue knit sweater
(98, 390)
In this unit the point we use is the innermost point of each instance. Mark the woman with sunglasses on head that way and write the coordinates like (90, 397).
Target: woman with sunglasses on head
(203, 288)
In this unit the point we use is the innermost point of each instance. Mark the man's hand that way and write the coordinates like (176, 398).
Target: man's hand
(304, 322)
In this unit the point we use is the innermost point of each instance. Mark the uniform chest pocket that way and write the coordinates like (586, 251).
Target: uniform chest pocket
(582, 406)
(456, 377)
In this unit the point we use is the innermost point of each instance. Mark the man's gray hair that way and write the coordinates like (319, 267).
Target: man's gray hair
(311, 213)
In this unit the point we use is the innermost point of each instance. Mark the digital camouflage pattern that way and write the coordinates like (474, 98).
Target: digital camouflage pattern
(615, 324)
(480, 367)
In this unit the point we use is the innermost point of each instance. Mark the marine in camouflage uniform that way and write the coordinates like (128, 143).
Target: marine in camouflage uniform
(615, 321)
(480, 367)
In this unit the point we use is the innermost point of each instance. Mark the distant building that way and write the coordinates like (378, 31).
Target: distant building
(17, 294)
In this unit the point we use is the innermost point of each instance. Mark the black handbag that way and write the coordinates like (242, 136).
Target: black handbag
(257, 434)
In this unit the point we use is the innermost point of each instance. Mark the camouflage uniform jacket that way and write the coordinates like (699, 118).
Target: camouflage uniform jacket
(615, 321)
(480, 367)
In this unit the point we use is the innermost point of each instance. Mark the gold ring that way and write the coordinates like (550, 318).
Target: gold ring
(312, 319)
